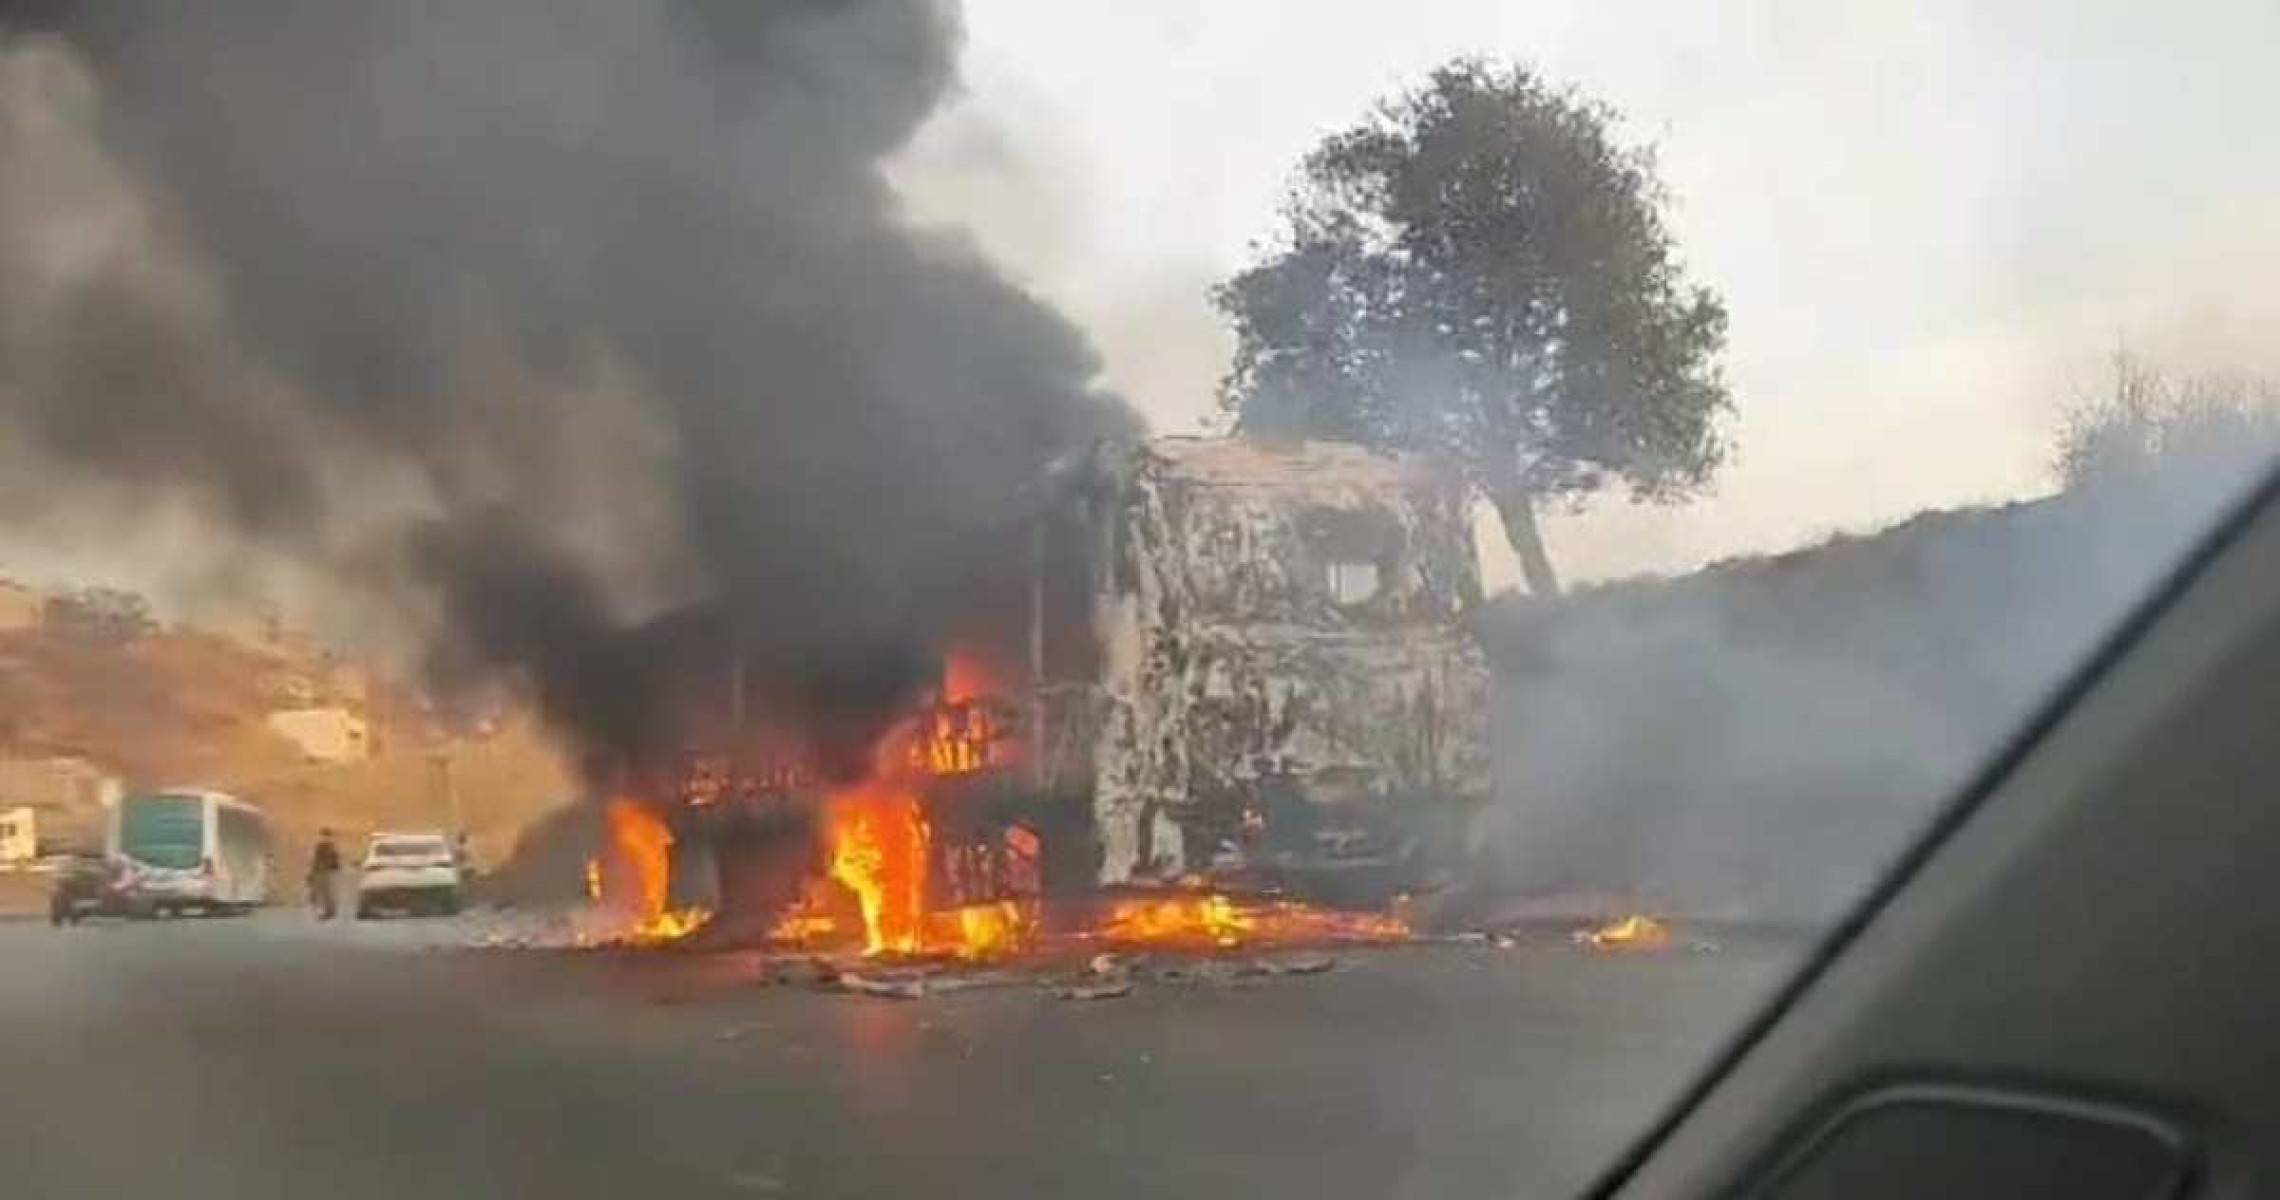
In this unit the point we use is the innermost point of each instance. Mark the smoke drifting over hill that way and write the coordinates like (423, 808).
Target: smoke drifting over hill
(1759, 740)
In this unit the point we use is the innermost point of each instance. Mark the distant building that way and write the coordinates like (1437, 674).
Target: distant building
(66, 796)
(20, 607)
(325, 734)
(19, 834)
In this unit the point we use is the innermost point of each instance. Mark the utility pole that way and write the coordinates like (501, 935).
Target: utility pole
(735, 687)
(448, 785)
(1037, 775)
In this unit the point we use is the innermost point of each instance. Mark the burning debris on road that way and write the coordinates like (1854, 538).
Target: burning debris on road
(1634, 932)
(1104, 976)
(1205, 919)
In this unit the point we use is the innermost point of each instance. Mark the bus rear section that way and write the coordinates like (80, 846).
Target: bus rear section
(183, 851)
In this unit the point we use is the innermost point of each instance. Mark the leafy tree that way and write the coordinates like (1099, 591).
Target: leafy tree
(2146, 422)
(1480, 272)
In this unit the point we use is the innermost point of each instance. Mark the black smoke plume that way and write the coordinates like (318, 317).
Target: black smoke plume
(590, 330)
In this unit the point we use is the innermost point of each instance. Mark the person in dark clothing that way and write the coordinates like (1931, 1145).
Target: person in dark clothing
(324, 871)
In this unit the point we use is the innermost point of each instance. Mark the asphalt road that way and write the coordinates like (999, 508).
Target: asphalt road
(267, 1056)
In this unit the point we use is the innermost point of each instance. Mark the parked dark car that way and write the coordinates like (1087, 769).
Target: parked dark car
(84, 886)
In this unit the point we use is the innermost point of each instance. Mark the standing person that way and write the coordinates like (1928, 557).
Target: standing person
(324, 872)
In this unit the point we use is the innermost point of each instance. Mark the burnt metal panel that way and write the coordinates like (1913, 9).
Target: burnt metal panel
(1279, 623)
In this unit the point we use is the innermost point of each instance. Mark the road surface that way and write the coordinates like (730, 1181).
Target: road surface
(268, 1056)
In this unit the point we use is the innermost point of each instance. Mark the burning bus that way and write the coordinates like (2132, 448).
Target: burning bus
(1224, 678)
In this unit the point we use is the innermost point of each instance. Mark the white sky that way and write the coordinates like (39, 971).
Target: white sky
(1931, 221)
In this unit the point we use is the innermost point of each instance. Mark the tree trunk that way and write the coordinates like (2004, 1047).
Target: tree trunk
(1518, 510)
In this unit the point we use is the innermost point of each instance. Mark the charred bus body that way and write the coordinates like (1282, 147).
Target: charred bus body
(1221, 659)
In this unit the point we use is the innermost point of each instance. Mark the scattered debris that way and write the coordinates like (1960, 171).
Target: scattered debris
(1165, 972)
(966, 981)
(800, 972)
(1231, 970)
(903, 988)
(1102, 976)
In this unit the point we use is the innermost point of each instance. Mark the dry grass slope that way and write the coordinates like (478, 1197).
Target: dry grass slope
(178, 707)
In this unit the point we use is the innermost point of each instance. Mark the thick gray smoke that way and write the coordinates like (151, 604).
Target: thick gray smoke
(1758, 741)
(589, 329)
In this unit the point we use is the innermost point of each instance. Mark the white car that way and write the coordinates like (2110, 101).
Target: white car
(409, 872)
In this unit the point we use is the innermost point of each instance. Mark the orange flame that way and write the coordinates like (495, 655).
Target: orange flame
(962, 733)
(984, 930)
(1199, 917)
(881, 857)
(881, 848)
(672, 924)
(803, 925)
(966, 677)
(879, 843)
(1634, 932)
(1215, 919)
(639, 849)
(957, 737)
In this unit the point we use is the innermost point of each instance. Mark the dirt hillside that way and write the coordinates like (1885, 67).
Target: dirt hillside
(161, 707)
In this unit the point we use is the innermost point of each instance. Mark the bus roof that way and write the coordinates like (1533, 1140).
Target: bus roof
(220, 799)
